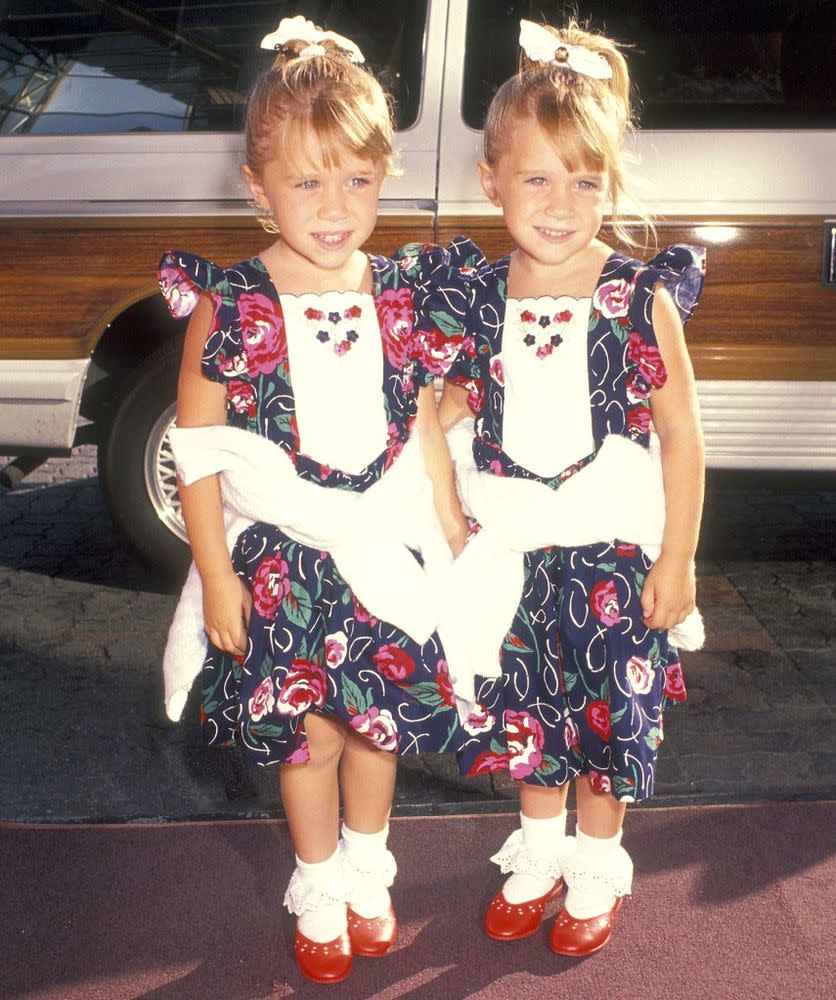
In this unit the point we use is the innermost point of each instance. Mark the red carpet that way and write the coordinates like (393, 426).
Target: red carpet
(729, 902)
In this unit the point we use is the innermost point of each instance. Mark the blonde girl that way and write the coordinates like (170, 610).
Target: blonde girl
(575, 358)
(306, 382)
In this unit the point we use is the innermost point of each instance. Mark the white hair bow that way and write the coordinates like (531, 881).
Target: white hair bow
(299, 28)
(540, 45)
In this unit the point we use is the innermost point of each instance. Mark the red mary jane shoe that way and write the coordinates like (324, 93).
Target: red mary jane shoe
(506, 921)
(372, 937)
(328, 962)
(578, 938)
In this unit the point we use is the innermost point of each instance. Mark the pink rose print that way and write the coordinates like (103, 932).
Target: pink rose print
(437, 351)
(469, 346)
(242, 397)
(394, 446)
(180, 292)
(570, 735)
(393, 663)
(379, 727)
(304, 685)
(488, 761)
(442, 682)
(336, 645)
(395, 317)
(262, 329)
(636, 388)
(647, 359)
(603, 602)
(638, 420)
(230, 367)
(497, 369)
(600, 782)
(362, 615)
(598, 718)
(479, 720)
(262, 701)
(525, 738)
(674, 688)
(625, 550)
(612, 298)
(640, 674)
(270, 586)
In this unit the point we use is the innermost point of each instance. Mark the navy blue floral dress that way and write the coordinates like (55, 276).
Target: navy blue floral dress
(584, 683)
(311, 645)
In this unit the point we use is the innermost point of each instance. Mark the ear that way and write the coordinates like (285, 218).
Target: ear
(256, 190)
(487, 179)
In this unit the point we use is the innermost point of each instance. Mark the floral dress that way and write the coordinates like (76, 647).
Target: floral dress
(584, 683)
(311, 645)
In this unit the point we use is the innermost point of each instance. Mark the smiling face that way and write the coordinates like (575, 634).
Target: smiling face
(325, 211)
(553, 214)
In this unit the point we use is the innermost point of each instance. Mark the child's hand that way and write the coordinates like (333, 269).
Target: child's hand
(669, 592)
(226, 612)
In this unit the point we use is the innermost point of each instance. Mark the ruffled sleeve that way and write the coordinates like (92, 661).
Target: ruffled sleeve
(441, 295)
(183, 278)
(680, 269)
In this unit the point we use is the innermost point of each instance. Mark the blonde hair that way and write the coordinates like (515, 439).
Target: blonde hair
(587, 119)
(341, 101)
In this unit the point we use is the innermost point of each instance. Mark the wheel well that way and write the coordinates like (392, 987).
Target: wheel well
(128, 340)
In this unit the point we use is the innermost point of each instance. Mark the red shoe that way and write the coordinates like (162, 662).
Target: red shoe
(374, 936)
(578, 938)
(506, 921)
(328, 962)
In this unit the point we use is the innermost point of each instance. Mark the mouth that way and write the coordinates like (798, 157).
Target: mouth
(332, 241)
(554, 235)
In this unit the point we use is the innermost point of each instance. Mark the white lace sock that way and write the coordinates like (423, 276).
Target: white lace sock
(540, 839)
(371, 870)
(601, 864)
(313, 895)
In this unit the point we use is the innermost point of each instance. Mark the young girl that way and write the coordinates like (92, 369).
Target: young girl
(576, 348)
(316, 661)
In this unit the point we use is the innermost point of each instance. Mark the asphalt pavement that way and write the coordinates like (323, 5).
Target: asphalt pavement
(82, 627)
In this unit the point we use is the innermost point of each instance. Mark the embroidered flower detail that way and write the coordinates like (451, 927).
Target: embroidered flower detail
(544, 342)
(341, 340)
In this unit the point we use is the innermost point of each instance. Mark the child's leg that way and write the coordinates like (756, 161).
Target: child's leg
(310, 796)
(368, 785)
(532, 855)
(597, 875)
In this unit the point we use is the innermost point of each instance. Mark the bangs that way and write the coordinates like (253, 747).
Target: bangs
(581, 134)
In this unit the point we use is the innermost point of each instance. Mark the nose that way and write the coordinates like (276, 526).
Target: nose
(332, 205)
(559, 202)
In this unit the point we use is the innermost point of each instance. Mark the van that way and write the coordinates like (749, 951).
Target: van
(120, 137)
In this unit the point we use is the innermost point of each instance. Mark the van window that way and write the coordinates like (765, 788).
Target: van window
(749, 64)
(104, 66)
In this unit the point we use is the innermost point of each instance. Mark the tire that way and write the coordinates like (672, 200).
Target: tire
(136, 466)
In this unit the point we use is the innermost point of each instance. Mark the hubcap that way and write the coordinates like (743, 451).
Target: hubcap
(161, 475)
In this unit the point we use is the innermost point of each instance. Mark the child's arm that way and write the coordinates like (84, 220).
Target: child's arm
(670, 588)
(440, 470)
(202, 403)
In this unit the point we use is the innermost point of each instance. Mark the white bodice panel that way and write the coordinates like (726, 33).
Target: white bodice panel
(335, 353)
(547, 424)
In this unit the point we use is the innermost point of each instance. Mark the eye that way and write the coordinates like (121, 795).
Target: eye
(308, 185)
(536, 181)
(589, 184)
(359, 182)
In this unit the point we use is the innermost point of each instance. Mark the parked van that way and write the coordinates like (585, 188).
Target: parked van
(120, 137)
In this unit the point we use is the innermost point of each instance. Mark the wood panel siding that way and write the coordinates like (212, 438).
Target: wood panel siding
(764, 315)
(63, 280)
